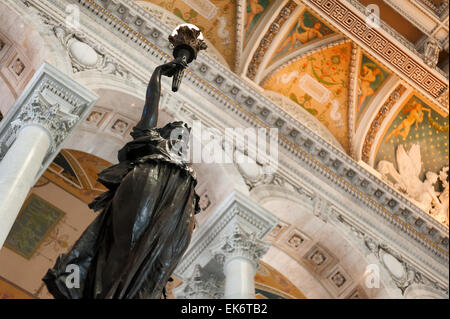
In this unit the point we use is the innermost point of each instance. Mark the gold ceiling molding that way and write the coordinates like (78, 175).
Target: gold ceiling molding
(376, 123)
(266, 41)
(343, 18)
(352, 96)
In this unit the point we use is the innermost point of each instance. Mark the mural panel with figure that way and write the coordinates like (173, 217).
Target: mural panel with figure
(319, 84)
(370, 78)
(418, 123)
(307, 28)
(35, 221)
(413, 155)
(254, 11)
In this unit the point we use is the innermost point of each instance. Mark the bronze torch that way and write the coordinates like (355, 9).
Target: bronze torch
(187, 41)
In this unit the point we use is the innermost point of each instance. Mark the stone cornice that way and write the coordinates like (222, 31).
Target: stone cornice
(299, 144)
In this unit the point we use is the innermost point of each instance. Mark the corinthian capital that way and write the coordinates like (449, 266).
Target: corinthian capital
(241, 244)
(51, 117)
(51, 100)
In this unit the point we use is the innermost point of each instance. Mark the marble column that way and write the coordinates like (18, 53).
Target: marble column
(222, 259)
(32, 133)
(240, 253)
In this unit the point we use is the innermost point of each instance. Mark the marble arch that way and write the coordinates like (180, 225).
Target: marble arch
(326, 237)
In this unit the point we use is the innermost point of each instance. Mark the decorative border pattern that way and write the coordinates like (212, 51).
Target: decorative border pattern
(376, 123)
(353, 81)
(337, 12)
(268, 38)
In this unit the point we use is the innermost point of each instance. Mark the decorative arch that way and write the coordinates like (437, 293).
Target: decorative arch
(314, 255)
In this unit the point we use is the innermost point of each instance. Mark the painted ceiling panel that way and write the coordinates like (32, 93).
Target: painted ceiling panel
(417, 123)
(255, 9)
(319, 83)
(215, 18)
(371, 77)
(307, 28)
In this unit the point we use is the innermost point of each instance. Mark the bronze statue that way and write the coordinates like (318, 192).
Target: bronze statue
(147, 215)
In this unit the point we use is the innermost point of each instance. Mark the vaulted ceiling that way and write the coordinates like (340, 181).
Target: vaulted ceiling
(302, 50)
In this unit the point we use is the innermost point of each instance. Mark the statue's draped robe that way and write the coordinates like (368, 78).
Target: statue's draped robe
(145, 225)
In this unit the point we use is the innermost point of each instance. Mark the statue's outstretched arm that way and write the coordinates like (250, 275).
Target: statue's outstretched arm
(149, 116)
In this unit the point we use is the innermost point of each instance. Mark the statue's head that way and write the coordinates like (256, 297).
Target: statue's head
(175, 131)
(178, 134)
(432, 177)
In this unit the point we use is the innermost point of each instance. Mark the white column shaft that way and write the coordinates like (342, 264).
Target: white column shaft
(239, 279)
(18, 169)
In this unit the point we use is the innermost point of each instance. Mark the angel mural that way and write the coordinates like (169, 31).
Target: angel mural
(367, 77)
(305, 35)
(255, 9)
(415, 116)
(407, 181)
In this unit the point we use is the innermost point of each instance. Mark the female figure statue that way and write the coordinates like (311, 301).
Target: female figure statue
(147, 215)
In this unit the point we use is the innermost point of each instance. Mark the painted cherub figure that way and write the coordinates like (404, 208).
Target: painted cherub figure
(304, 37)
(415, 115)
(255, 9)
(366, 77)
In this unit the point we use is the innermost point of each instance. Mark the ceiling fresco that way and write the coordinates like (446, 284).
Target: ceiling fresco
(319, 83)
(270, 284)
(255, 9)
(371, 76)
(215, 18)
(76, 172)
(307, 28)
(417, 123)
(318, 80)
(10, 291)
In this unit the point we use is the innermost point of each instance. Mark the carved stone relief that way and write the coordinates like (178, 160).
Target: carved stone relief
(407, 181)
(317, 259)
(338, 280)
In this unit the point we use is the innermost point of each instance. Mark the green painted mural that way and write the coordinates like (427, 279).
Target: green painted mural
(36, 219)
(418, 123)
(370, 78)
(306, 29)
(255, 10)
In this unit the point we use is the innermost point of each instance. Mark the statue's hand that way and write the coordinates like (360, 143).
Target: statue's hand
(170, 68)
